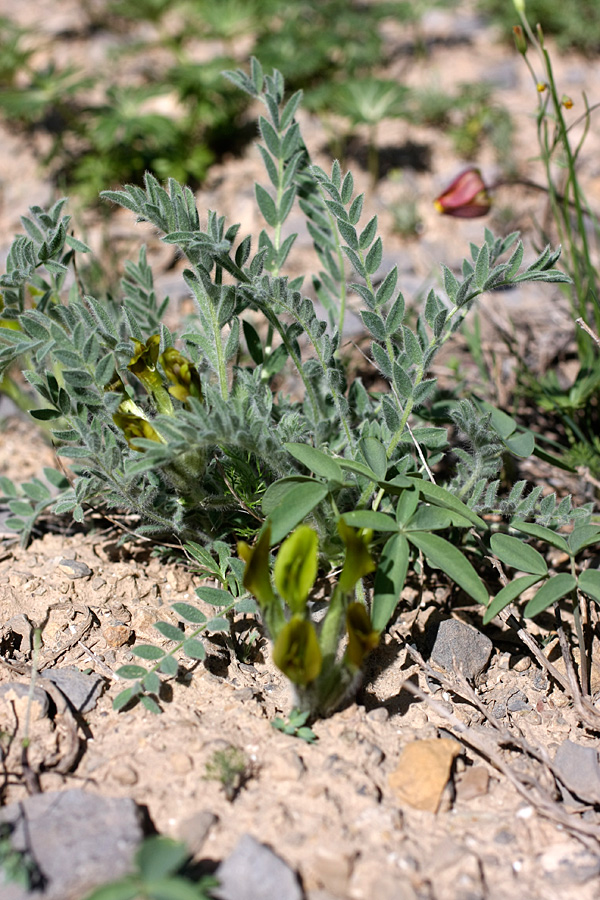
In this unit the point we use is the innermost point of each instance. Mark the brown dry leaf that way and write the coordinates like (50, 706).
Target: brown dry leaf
(423, 771)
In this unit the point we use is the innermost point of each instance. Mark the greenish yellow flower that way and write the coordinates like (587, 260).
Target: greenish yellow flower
(358, 561)
(183, 373)
(145, 356)
(133, 427)
(257, 578)
(297, 653)
(143, 365)
(296, 567)
(362, 638)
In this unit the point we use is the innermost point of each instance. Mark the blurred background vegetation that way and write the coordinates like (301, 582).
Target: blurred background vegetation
(157, 107)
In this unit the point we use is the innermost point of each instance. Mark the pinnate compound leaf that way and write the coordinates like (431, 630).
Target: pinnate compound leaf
(214, 596)
(123, 698)
(148, 651)
(368, 518)
(172, 632)
(518, 555)
(169, 666)
(150, 704)
(189, 613)
(508, 594)
(389, 580)
(581, 536)
(131, 672)
(446, 557)
(218, 624)
(194, 649)
(542, 533)
(589, 583)
(299, 501)
(554, 589)
(318, 462)
(375, 455)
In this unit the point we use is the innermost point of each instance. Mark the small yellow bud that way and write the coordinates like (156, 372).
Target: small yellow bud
(541, 86)
(566, 102)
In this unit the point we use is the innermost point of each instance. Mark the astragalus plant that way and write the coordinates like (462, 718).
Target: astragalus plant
(186, 431)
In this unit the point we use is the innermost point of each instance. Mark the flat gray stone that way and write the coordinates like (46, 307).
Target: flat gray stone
(77, 840)
(254, 872)
(81, 690)
(579, 769)
(462, 647)
(74, 568)
(517, 701)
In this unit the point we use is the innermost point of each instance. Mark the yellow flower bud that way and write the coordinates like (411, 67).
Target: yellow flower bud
(183, 373)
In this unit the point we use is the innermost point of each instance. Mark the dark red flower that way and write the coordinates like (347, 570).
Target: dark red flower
(467, 197)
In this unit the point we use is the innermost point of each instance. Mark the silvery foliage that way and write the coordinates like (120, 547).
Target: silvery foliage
(219, 453)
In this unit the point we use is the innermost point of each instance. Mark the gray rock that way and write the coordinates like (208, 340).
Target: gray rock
(517, 701)
(579, 770)
(74, 568)
(539, 682)
(254, 872)
(460, 646)
(499, 709)
(78, 841)
(22, 690)
(81, 690)
(569, 864)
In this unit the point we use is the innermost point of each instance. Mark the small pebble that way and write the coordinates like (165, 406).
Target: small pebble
(522, 664)
(181, 763)
(474, 783)
(286, 767)
(117, 634)
(379, 714)
(74, 568)
(124, 774)
(418, 718)
(517, 701)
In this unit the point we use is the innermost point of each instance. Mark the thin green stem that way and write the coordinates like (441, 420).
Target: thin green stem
(221, 362)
